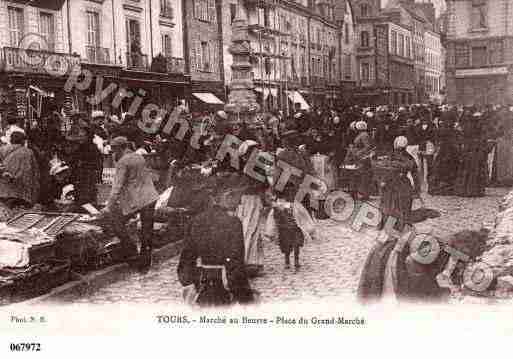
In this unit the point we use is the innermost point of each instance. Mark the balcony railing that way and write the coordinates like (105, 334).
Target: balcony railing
(175, 65)
(98, 55)
(136, 61)
(37, 61)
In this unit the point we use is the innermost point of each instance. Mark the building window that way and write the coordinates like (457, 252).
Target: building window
(166, 45)
(401, 45)
(346, 33)
(166, 10)
(496, 52)
(205, 56)
(365, 72)
(364, 39)
(393, 42)
(478, 15)
(205, 10)
(16, 24)
(93, 28)
(479, 56)
(461, 55)
(364, 10)
(134, 36)
(408, 47)
(46, 29)
(347, 67)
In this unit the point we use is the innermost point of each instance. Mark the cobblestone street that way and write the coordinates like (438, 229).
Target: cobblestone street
(331, 264)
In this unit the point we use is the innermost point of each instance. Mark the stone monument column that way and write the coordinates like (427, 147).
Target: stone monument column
(242, 106)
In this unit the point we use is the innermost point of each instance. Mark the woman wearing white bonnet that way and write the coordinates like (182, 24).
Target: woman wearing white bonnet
(360, 152)
(361, 126)
(402, 184)
(400, 142)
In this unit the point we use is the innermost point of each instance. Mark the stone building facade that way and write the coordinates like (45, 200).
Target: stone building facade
(434, 56)
(419, 19)
(385, 56)
(134, 45)
(348, 43)
(386, 64)
(296, 50)
(479, 58)
(204, 43)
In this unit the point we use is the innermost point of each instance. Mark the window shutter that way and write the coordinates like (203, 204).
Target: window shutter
(127, 23)
(199, 56)
(212, 56)
(197, 9)
(192, 52)
(96, 17)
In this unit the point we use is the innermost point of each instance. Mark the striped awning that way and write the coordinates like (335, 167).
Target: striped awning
(208, 98)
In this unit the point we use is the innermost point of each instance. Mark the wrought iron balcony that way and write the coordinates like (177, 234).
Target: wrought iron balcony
(38, 61)
(98, 55)
(137, 61)
(175, 65)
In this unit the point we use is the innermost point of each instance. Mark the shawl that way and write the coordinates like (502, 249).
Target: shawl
(20, 162)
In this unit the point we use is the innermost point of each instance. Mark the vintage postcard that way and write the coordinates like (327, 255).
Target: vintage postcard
(180, 172)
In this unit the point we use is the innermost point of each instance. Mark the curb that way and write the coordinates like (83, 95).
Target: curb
(84, 284)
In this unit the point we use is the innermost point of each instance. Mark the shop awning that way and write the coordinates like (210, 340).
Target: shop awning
(296, 97)
(208, 97)
(265, 91)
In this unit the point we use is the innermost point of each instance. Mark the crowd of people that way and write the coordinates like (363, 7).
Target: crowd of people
(395, 154)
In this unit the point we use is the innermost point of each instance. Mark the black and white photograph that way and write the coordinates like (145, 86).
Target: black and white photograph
(275, 164)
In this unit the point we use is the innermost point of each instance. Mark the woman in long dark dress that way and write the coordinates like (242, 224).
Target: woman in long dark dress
(398, 191)
(446, 161)
(473, 173)
(360, 152)
(86, 167)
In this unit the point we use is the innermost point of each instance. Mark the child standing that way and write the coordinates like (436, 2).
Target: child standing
(291, 238)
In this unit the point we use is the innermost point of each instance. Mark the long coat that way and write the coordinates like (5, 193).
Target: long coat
(21, 163)
(133, 187)
(398, 191)
(362, 180)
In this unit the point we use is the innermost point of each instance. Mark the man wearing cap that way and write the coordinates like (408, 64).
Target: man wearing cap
(132, 192)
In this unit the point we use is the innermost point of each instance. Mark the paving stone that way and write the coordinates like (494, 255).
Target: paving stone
(331, 266)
